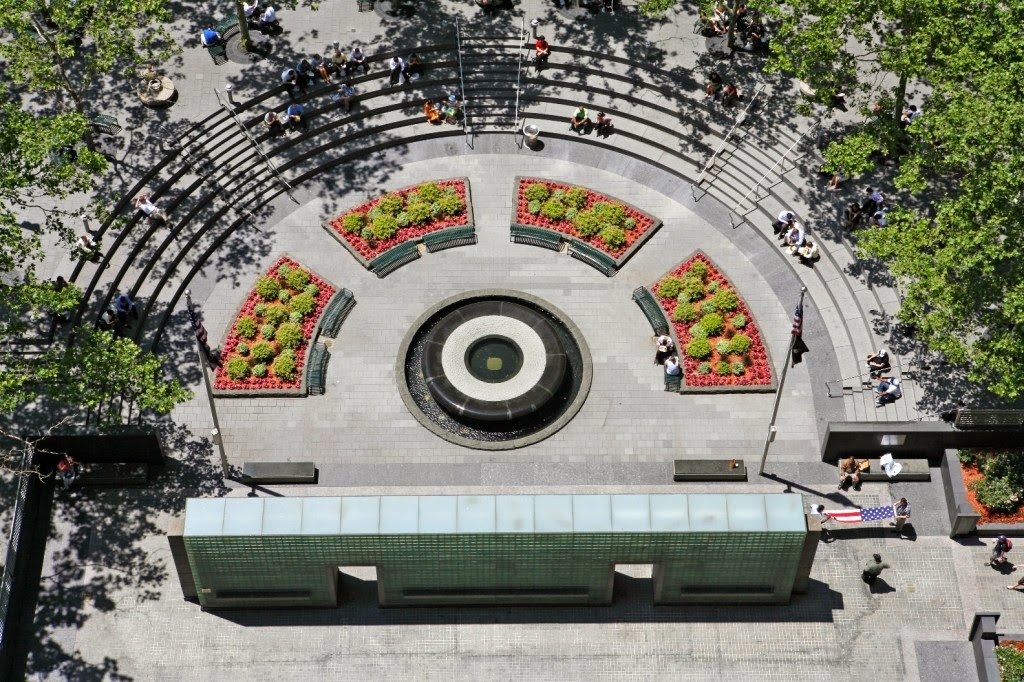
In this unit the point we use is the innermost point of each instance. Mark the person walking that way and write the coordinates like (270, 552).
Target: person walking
(825, 518)
(543, 51)
(999, 550)
(873, 569)
(902, 509)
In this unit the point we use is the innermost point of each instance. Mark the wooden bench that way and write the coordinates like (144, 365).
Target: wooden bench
(394, 258)
(335, 312)
(592, 256)
(652, 310)
(709, 470)
(119, 474)
(316, 380)
(913, 470)
(256, 473)
(536, 236)
(446, 239)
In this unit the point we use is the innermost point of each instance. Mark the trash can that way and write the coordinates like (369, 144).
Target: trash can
(531, 133)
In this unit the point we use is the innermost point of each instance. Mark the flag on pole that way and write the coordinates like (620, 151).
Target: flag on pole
(799, 347)
(862, 515)
(197, 326)
(798, 319)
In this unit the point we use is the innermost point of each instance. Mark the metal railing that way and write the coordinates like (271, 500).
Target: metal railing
(771, 170)
(519, 78)
(462, 85)
(13, 546)
(739, 119)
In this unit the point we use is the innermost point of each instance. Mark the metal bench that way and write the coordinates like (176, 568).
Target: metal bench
(652, 310)
(256, 473)
(592, 256)
(394, 258)
(316, 379)
(335, 312)
(536, 236)
(913, 470)
(218, 53)
(105, 124)
(709, 470)
(227, 27)
(673, 382)
(446, 239)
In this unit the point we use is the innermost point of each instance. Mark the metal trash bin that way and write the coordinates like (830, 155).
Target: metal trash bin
(531, 132)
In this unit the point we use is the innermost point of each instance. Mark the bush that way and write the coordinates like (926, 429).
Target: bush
(259, 370)
(354, 222)
(403, 219)
(412, 196)
(284, 296)
(1011, 663)
(996, 494)
(288, 353)
(276, 313)
(669, 287)
(449, 190)
(391, 204)
(727, 300)
(713, 286)
(614, 237)
(698, 349)
(722, 368)
(740, 344)
(384, 227)
(704, 368)
(237, 368)
(698, 269)
(303, 304)
(297, 279)
(693, 289)
(737, 368)
(723, 347)
(268, 288)
(429, 192)
(284, 368)
(712, 322)
(558, 194)
(374, 213)
(684, 312)
(553, 209)
(283, 269)
(629, 223)
(267, 331)
(739, 321)
(576, 197)
(536, 191)
(587, 223)
(708, 307)
(450, 204)
(698, 332)
(289, 335)
(533, 207)
(311, 289)
(263, 351)
(435, 209)
(367, 234)
(260, 309)
(242, 348)
(295, 316)
(246, 327)
(571, 213)
(419, 212)
(610, 213)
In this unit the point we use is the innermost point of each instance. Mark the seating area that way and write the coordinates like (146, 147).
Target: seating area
(652, 310)
(693, 470)
(913, 470)
(535, 236)
(335, 312)
(594, 257)
(267, 473)
(392, 259)
(449, 238)
(316, 372)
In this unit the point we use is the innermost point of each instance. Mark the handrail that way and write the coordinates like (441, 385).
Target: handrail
(739, 119)
(462, 84)
(519, 77)
(782, 158)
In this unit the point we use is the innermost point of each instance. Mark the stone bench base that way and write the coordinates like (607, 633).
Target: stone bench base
(255, 473)
(913, 470)
(708, 470)
(114, 474)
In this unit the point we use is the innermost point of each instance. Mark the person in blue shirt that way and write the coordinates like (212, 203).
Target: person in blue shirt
(123, 307)
(210, 37)
(294, 114)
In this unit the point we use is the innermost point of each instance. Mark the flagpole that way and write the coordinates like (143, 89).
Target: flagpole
(216, 436)
(782, 381)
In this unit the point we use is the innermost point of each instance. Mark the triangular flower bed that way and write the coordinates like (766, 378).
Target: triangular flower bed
(266, 347)
(716, 334)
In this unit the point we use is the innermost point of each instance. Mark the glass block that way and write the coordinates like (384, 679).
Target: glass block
(360, 515)
(513, 514)
(282, 515)
(552, 513)
(437, 514)
(785, 512)
(631, 513)
(476, 514)
(746, 512)
(321, 515)
(399, 514)
(669, 513)
(708, 513)
(591, 513)
(204, 516)
(243, 516)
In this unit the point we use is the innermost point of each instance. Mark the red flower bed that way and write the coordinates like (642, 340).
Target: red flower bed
(970, 473)
(756, 366)
(566, 226)
(370, 250)
(230, 350)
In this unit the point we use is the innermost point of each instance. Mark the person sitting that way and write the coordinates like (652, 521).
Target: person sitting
(795, 237)
(783, 223)
(730, 95)
(878, 363)
(757, 36)
(108, 322)
(543, 51)
(248, 9)
(720, 19)
(340, 61)
(854, 215)
(580, 121)
(123, 307)
(304, 68)
(209, 37)
(665, 349)
(346, 92)
(672, 367)
(888, 391)
(356, 60)
(397, 66)
(268, 18)
(294, 114)
(878, 219)
(713, 86)
(452, 111)
(272, 123)
(323, 68)
(431, 112)
(808, 253)
(67, 471)
(146, 205)
(849, 472)
(291, 77)
(603, 125)
(414, 67)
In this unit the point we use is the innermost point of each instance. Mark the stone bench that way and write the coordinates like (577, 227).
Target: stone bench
(913, 470)
(119, 474)
(709, 470)
(256, 473)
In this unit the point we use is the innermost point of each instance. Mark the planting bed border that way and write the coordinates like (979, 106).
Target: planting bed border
(470, 222)
(303, 388)
(626, 255)
(684, 388)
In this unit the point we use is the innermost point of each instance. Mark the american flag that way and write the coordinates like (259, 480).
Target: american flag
(798, 319)
(862, 515)
(197, 326)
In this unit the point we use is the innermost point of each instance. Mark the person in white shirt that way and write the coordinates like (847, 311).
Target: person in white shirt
(672, 367)
(888, 391)
(796, 237)
(146, 205)
(269, 17)
(397, 66)
(249, 10)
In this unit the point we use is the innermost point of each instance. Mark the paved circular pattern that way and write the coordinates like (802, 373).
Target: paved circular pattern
(469, 335)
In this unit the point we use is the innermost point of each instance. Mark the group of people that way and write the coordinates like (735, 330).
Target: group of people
(749, 24)
(292, 119)
(266, 18)
(666, 355)
(446, 111)
(715, 88)
(793, 236)
(119, 317)
(872, 210)
(408, 70)
(582, 124)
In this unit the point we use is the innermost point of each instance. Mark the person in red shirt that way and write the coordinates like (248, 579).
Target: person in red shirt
(543, 52)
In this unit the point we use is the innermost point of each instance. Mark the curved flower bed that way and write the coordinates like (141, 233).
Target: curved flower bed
(608, 224)
(266, 346)
(718, 339)
(406, 214)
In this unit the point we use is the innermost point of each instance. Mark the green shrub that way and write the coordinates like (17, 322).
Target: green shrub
(698, 332)
(737, 368)
(403, 219)
(242, 348)
(534, 206)
(311, 289)
(246, 327)
(237, 368)
(684, 312)
(571, 213)
(536, 191)
(284, 368)
(367, 234)
(996, 493)
(1011, 664)
(723, 347)
(966, 456)
(391, 204)
(449, 190)
(412, 196)
(288, 353)
(429, 192)
(260, 309)
(435, 209)
(284, 296)
(450, 204)
(354, 222)
(268, 288)
(727, 300)
(259, 370)
(669, 287)
(289, 335)
(614, 237)
(553, 209)
(303, 304)
(704, 368)
(263, 351)
(698, 269)
(587, 223)
(267, 331)
(374, 213)
(576, 197)
(610, 213)
(712, 322)
(708, 307)
(740, 344)
(698, 349)
(419, 212)
(295, 316)
(558, 194)
(739, 321)
(276, 313)
(713, 286)
(693, 289)
(722, 368)
(384, 227)
(297, 279)
(629, 223)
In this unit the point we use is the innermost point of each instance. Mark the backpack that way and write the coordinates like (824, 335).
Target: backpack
(1009, 544)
